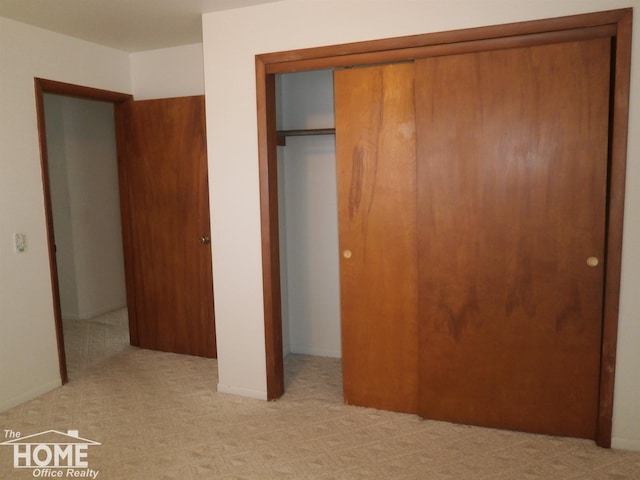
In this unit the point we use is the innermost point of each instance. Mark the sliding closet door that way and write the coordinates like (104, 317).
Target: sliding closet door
(512, 166)
(375, 150)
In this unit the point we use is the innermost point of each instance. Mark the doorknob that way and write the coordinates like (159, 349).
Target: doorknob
(592, 261)
(346, 254)
(205, 239)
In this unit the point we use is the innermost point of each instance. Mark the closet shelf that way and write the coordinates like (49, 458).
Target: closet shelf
(283, 134)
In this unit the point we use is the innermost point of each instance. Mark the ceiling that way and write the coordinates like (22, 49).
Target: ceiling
(128, 25)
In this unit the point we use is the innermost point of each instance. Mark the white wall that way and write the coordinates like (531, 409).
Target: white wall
(231, 41)
(27, 328)
(168, 72)
(86, 218)
(61, 205)
(28, 349)
(311, 215)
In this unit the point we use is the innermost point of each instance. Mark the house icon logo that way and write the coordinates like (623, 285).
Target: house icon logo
(50, 453)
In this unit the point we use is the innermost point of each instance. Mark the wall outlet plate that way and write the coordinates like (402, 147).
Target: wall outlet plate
(20, 242)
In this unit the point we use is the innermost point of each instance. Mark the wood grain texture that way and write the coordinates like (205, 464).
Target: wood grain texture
(375, 151)
(167, 195)
(512, 175)
(266, 105)
(120, 117)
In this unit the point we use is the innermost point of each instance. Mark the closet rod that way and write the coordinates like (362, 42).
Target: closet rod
(283, 134)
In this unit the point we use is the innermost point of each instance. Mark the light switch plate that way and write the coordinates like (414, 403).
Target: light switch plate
(20, 242)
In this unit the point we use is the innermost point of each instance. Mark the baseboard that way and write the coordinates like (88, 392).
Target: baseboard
(625, 444)
(85, 316)
(242, 392)
(29, 395)
(316, 352)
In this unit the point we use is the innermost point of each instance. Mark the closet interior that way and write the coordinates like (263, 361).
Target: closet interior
(308, 214)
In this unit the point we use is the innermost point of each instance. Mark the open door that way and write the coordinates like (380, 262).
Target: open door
(165, 198)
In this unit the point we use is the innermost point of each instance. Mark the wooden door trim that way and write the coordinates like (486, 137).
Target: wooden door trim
(269, 220)
(125, 214)
(43, 86)
(480, 44)
(439, 43)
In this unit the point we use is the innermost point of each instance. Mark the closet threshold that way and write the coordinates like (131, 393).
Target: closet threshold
(283, 134)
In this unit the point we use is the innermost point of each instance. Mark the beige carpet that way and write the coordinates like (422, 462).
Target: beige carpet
(158, 416)
(90, 342)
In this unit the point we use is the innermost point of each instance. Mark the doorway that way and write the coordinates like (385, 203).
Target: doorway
(83, 179)
(612, 24)
(163, 182)
(79, 281)
(308, 216)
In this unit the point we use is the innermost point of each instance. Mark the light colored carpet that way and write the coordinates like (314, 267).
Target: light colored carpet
(92, 341)
(158, 416)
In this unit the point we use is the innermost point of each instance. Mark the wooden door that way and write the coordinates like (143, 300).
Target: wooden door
(163, 165)
(512, 166)
(375, 150)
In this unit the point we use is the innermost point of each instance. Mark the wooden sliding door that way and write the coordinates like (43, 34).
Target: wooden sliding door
(375, 144)
(512, 174)
(472, 199)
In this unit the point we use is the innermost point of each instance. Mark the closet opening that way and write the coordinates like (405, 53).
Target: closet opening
(308, 221)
